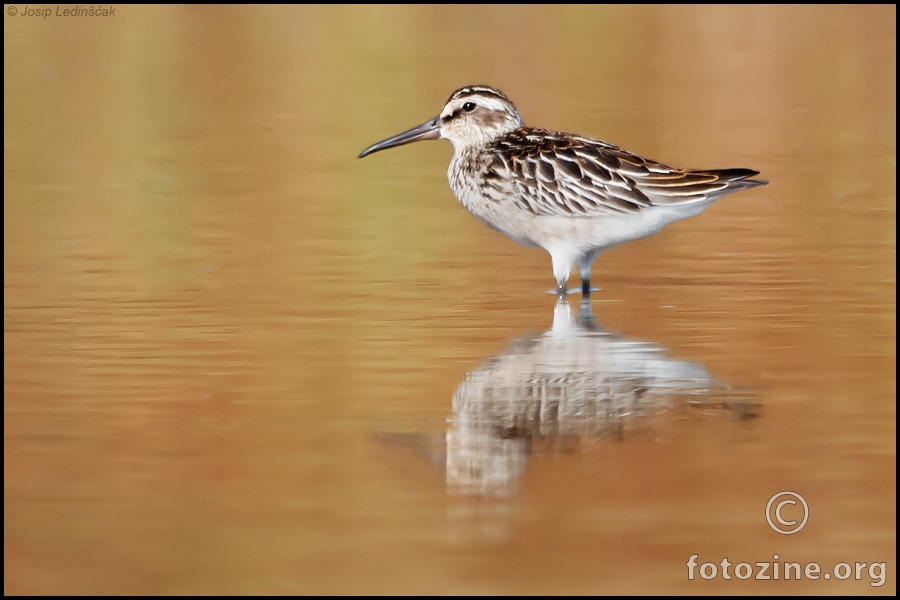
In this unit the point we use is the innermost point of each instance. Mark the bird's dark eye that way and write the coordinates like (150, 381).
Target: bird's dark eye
(469, 106)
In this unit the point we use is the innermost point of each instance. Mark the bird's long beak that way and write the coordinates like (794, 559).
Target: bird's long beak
(429, 130)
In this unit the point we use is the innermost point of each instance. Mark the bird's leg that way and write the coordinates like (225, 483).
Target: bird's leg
(585, 269)
(562, 266)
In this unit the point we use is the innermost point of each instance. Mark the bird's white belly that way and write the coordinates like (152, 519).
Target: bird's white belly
(573, 236)
(595, 234)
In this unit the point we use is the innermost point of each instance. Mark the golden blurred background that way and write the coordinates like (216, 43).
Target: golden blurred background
(232, 351)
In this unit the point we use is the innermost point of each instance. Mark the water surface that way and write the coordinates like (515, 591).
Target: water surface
(238, 360)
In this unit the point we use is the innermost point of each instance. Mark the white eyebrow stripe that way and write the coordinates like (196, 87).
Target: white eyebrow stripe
(491, 103)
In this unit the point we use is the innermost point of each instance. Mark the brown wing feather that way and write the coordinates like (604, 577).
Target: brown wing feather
(557, 174)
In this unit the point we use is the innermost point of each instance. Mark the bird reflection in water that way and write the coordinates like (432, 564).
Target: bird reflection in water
(553, 392)
(572, 385)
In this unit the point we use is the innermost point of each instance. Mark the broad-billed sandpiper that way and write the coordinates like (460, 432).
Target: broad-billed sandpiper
(573, 196)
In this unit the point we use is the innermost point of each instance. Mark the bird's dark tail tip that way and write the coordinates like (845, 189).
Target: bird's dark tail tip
(741, 177)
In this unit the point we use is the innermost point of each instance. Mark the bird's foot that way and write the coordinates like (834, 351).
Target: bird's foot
(563, 292)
